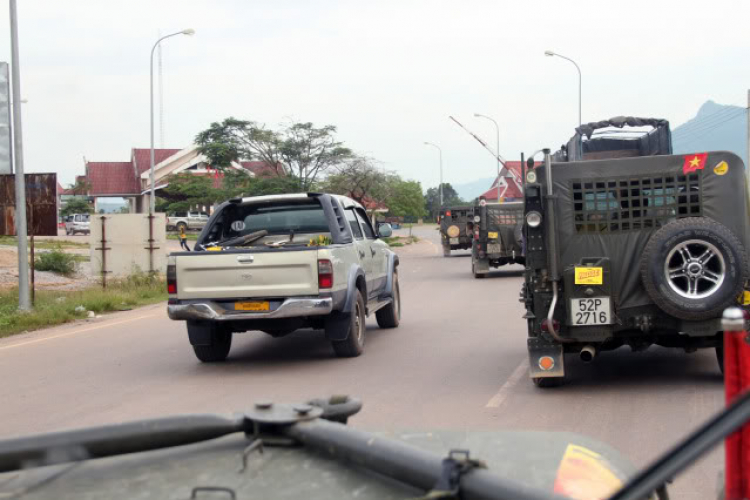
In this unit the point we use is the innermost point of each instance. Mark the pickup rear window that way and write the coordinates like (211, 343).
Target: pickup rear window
(276, 219)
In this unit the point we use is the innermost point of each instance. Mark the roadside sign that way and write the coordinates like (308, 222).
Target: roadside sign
(41, 204)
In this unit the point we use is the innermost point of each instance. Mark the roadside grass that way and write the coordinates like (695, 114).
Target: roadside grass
(399, 241)
(56, 261)
(57, 307)
(44, 244)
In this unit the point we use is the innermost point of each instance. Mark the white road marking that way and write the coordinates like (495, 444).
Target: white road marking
(105, 324)
(498, 399)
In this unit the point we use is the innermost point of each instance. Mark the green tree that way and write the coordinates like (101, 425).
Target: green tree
(406, 199)
(76, 206)
(359, 179)
(432, 199)
(300, 150)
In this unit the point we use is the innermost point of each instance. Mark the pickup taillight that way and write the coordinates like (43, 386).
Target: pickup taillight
(172, 279)
(325, 273)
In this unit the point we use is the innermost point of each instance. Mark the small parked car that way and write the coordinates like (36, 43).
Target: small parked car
(77, 223)
(187, 220)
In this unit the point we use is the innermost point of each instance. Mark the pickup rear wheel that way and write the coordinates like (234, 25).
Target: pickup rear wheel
(181, 225)
(390, 315)
(354, 343)
(218, 349)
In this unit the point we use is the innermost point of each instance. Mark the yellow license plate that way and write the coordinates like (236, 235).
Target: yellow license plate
(589, 275)
(492, 235)
(252, 306)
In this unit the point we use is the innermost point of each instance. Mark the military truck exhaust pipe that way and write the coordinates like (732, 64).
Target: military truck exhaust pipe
(588, 353)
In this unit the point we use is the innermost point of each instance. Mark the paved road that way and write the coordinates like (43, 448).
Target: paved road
(458, 361)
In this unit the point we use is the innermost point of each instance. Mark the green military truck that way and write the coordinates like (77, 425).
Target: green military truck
(456, 228)
(632, 247)
(497, 236)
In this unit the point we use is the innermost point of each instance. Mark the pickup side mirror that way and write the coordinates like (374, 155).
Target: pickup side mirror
(385, 230)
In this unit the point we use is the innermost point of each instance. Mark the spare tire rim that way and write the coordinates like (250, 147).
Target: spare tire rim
(695, 269)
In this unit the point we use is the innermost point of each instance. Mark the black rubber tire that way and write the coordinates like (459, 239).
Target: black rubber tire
(390, 315)
(181, 225)
(693, 228)
(221, 343)
(354, 343)
(548, 382)
(476, 274)
(720, 352)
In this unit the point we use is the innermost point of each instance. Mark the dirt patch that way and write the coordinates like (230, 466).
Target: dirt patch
(44, 280)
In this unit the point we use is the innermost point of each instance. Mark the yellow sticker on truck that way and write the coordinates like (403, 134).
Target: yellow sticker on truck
(492, 235)
(589, 275)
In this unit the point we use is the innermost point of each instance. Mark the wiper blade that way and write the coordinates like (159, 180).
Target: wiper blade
(242, 240)
(110, 440)
(305, 424)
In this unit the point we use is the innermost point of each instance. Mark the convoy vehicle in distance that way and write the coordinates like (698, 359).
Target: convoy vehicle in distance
(631, 251)
(456, 228)
(189, 221)
(77, 223)
(284, 262)
(497, 236)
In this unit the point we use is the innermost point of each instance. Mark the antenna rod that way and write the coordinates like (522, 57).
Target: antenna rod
(484, 144)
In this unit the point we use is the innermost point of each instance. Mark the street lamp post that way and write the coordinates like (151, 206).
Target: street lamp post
(152, 196)
(440, 151)
(497, 149)
(549, 53)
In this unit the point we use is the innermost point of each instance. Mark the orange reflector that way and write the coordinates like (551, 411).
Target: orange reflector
(546, 363)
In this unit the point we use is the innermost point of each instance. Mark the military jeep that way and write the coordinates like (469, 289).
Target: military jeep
(497, 236)
(631, 252)
(456, 228)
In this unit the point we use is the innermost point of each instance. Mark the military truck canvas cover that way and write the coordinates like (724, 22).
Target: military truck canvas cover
(506, 219)
(459, 216)
(586, 145)
(611, 209)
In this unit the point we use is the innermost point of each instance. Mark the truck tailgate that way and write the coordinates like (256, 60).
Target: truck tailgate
(219, 275)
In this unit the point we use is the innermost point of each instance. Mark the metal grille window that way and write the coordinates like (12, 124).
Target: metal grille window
(505, 218)
(634, 203)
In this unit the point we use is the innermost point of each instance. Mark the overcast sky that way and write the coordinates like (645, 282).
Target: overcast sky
(386, 73)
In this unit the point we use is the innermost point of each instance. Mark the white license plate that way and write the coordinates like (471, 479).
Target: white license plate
(590, 311)
(494, 248)
(454, 241)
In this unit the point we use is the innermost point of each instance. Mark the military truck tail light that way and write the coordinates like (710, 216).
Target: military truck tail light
(533, 219)
(447, 213)
(325, 273)
(546, 363)
(172, 279)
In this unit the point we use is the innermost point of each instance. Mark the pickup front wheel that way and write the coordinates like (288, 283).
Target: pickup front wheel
(214, 344)
(354, 343)
(390, 315)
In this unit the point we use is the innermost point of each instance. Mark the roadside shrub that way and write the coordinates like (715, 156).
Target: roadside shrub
(56, 261)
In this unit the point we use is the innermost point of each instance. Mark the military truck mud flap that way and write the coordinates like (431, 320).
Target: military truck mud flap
(545, 359)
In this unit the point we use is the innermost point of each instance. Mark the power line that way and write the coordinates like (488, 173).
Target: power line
(698, 133)
(709, 120)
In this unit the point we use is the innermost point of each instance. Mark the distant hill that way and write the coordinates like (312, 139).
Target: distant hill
(471, 190)
(716, 127)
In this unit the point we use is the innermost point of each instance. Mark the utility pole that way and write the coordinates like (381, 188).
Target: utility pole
(747, 158)
(24, 302)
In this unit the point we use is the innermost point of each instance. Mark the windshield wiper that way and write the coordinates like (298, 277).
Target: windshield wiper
(241, 240)
(305, 424)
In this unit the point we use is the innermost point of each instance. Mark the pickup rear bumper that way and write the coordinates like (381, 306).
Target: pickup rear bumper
(215, 311)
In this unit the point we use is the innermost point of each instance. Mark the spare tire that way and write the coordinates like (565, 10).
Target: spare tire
(693, 268)
(453, 232)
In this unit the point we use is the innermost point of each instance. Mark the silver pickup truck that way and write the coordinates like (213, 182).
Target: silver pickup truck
(281, 263)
